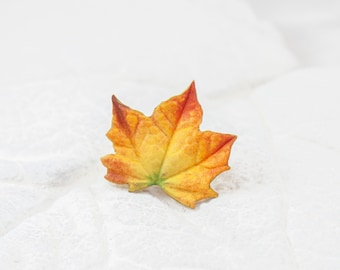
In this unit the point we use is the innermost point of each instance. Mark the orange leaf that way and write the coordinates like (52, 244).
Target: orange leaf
(167, 149)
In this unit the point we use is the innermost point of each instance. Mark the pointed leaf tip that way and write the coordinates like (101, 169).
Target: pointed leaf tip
(191, 88)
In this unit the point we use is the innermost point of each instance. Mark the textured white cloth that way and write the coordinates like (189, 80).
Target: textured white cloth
(219, 42)
(278, 206)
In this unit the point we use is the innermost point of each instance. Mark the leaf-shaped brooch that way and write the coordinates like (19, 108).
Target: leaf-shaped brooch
(167, 149)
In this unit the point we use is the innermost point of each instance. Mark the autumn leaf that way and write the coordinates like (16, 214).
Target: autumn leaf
(167, 149)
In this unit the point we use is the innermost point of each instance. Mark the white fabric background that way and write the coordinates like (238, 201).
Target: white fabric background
(267, 71)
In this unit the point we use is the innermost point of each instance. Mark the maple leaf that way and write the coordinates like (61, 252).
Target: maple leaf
(167, 149)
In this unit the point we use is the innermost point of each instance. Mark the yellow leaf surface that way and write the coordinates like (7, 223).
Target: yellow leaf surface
(167, 149)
